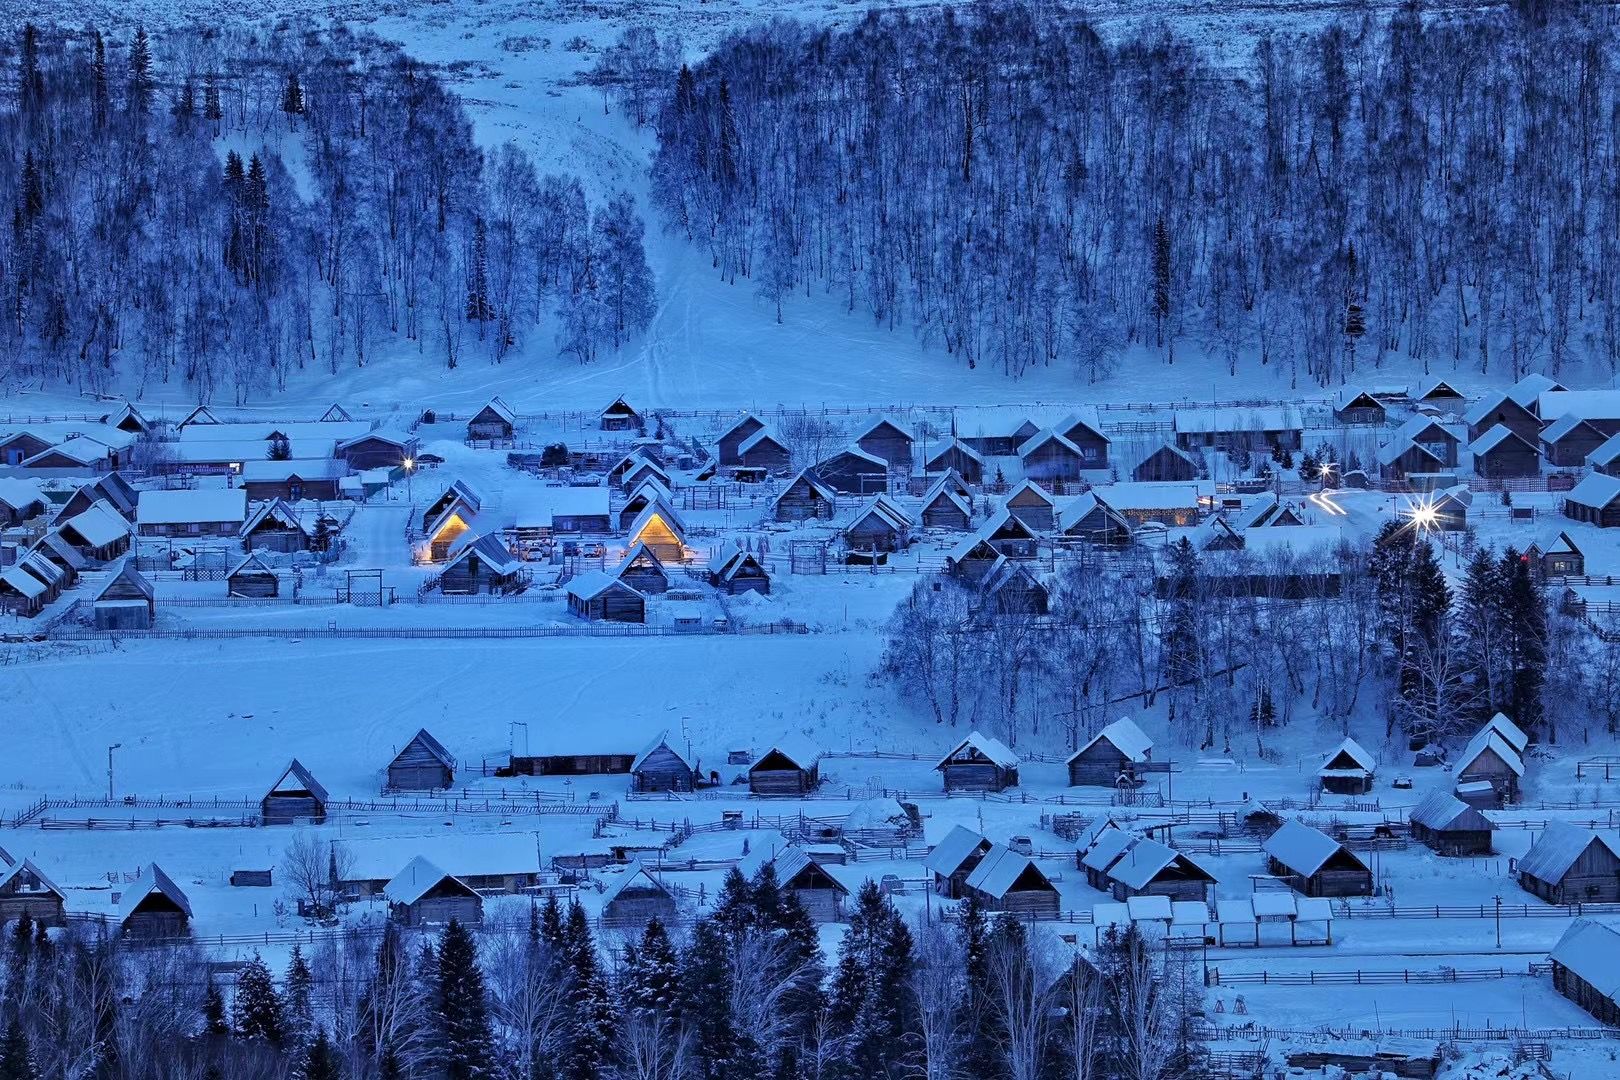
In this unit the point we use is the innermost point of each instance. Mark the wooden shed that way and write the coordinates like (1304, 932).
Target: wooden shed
(1501, 452)
(1572, 865)
(790, 766)
(1595, 500)
(734, 569)
(878, 525)
(979, 763)
(1114, 757)
(252, 578)
(1012, 589)
(1315, 864)
(423, 895)
(20, 501)
(1567, 441)
(1084, 430)
(1449, 826)
(379, 449)
(805, 498)
(765, 449)
(1107, 847)
(1168, 462)
(295, 796)
(25, 890)
(99, 533)
(889, 440)
(599, 596)
(852, 471)
(635, 897)
(1033, 505)
(620, 416)
(728, 448)
(1010, 536)
(126, 602)
(957, 455)
(484, 566)
(1050, 458)
(1441, 395)
(423, 765)
(1491, 758)
(495, 422)
(21, 593)
(275, 526)
(820, 894)
(1347, 770)
(972, 559)
(1500, 410)
(1586, 968)
(1555, 554)
(1149, 868)
(643, 571)
(954, 858)
(1006, 881)
(153, 906)
(1088, 517)
(660, 767)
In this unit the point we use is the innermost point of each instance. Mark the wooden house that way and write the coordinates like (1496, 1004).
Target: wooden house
(1010, 588)
(643, 571)
(26, 891)
(20, 501)
(979, 763)
(458, 493)
(98, 533)
(1088, 517)
(620, 416)
(1085, 434)
(954, 858)
(444, 532)
(129, 419)
(201, 415)
(18, 446)
(1449, 826)
(276, 526)
(126, 602)
(642, 469)
(944, 508)
(1050, 458)
(972, 559)
(1115, 756)
(889, 441)
(1595, 500)
(1400, 458)
(295, 796)
(1433, 437)
(1347, 770)
(494, 422)
(295, 479)
(1231, 427)
(659, 528)
(423, 895)
(734, 569)
(820, 894)
(1567, 441)
(852, 471)
(1105, 849)
(1509, 732)
(1353, 405)
(790, 766)
(21, 593)
(78, 453)
(1168, 462)
(1033, 505)
(53, 576)
(1555, 554)
(599, 596)
(1149, 868)
(111, 488)
(957, 455)
(1586, 969)
(1009, 536)
(805, 498)
(1502, 452)
(1572, 865)
(1500, 410)
(1606, 458)
(1009, 882)
(423, 765)
(660, 767)
(1441, 395)
(643, 495)
(484, 566)
(635, 897)
(153, 906)
(54, 547)
(1315, 864)
(764, 451)
(380, 449)
(729, 447)
(191, 513)
(1174, 505)
(878, 525)
(1450, 507)
(1490, 758)
(252, 579)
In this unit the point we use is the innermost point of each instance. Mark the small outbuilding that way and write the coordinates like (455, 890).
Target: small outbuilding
(1315, 864)
(789, 767)
(1114, 757)
(1586, 969)
(643, 571)
(295, 796)
(1595, 501)
(954, 858)
(252, 578)
(486, 565)
(423, 895)
(661, 767)
(275, 526)
(635, 897)
(153, 906)
(734, 569)
(889, 440)
(620, 416)
(878, 525)
(820, 894)
(423, 765)
(1149, 868)
(1572, 865)
(945, 507)
(1449, 826)
(494, 422)
(728, 447)
(1168, 462)
(25, 890)
(1348, 770)
(599, 596)
(979, 763)
(126, 602)
(957, 455)
(852, 471)
(1006, 881)
(805, 498)
(1491, 758)
(1033, 505)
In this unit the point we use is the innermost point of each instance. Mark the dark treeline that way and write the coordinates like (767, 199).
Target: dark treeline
(1024, 191)
(744, 996)
(225, 208)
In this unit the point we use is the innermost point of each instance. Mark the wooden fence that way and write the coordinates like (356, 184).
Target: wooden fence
(1363, 978)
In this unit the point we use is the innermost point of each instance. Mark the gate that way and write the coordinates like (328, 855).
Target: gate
(364, 588)
(807, 556)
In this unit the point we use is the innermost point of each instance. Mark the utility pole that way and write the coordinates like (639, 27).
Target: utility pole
(110, 749)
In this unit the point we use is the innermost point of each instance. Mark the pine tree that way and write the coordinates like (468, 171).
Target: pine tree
(300, 997)
(280, 449)
(1183, 648)
(321, 1063)
(722, 1050)
(292, 96)
(589, 1046)
(1524, 608)
(100, 89)
(138, 97)
(257, 1010)
(869, 987)
(479, 309)
(16, 1058)
(30, 76)
(185, 106)
(465, 1040)
(1355, 318)
(551, 923)
(734, 905)
(214, 1021)
(213, 111)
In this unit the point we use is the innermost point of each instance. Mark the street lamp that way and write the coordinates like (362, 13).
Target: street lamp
(410, 474)
(110, 749)
(1498, 899)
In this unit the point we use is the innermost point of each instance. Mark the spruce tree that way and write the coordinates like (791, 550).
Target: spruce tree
(869, 988)
(1524, 608)
(16, 1058)
(257, 1010)
(551, 923)
(321, 1063)
(1161, 277)
(977, 1000)
(292, 96)
(300, 997)
(590, 1043)
(465, 1040)
(138, 95)
(100, 89)
(214, 1021)
(723, 1051)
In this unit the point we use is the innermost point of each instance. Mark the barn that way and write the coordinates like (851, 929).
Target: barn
(54, 577)
(643, 571)
(944, 508)
(599, 596)
(954, 858)
(979, 763)
(252, 578)
(25, 890)
(1149, 868)
(1491, 758)
(1006, 881)
(1168, 462)
(1114, 756)
(153, 906)
(1571, 865)
(733, 570)
(484, 566)
(852, 471)
(1595, 500)
(620, 416)
(805, 498)
(820, 894)
(21, 593)
(765, 450)
(957, 455)
(1315, 864)
(295, 796)
(423, 765)
(878, 525)
(660, 767)
(1033, 505)
(790, 766)
(729, 447)
(635, 897)
(1449, 826)
(1347, 770)
(20, 500)
(888, 440)
(99, 533)
(423, 895)
(661, 529)
(1501, 452)
(111, 488)
(275, 526)
(1586, 968)
(1087, 517)
(125, 602)
(494, 422)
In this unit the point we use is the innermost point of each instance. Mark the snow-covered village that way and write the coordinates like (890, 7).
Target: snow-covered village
(712, 541)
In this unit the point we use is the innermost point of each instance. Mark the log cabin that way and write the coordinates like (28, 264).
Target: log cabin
(1448, 826)
(21, 593)
(127, 418)
(1084, 432)
(1555, 554)
(620, 416)
(125, 602)
(972, 559)
(1401, 458)
(878, 525)
(1033, 505)
(789, 766)
(1009, 882)
(979, 763)
(484, 566)
(643, 495)
(456, 493)
(423, 895)
(957, 455)
(494, 422)
(1106, 848)
(1500, 410)
(1231, 427)
(1595, 501)
(295, 479)
(1353, 405)
(1088, 517)
(888, 440)
(422, 765)
(1009, 536)
(253, 579)
(639, 469)
(1502, 452)
(1567, 441)
(98, 533)
(1586, 969)
(1168, 462)
(153, 906)
(852, 471)
(943, 508)
(1115, 756)
(635, 897)
(659, 528)
(1050, 458)
(729, 447)
(380, 449)
(1315, 864)
(188, 513)
(20, 501)
(733, 570)
(1572, 865)
(1347, 770)
(276, 526)
(643, 571)
(26, 891)
(599, 596)
(954, 858)
(820, 894)
(295, 796)
(765, 450)
(660, 767)
(805, 498)
(1012, 589)
(1149, 868)
(1441, 395)
(111, 488)
(1490, 758)
(54, 547)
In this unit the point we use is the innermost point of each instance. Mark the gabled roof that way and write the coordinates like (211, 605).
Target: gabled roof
(277, 511)
(1488, 404)
(1437, 388)
(799, 751)
(1086, 418)
(1303, 849)
(808, 478)
(1553, 541)
(1559, 847)
(37, 564)
(202, 414)
(20, 494)
(387, 435)
(1124, 736)
(742, 421)
(661, 510)
(1510, 732)
(968, 545)
(1146, 859)
(940, 493)
(124, 412)
(495, 555)
(1494, 438)
(885, 510)
(961, 448)
(1487, 740)
(1000, 870)
(335, 413)
(305, 781)
(766, 434)
(1566, 426)
(1107, 848)
(1596, 490)
(1354, 755)
(619, 406)
(78, 448)
(661, 741)
(729, 558)
(1591, 952)
(793, 860)
(151, 879)
(1606, 452)
(1030, 487)
(950, 853)
(638, 550)
(1419, 425)
(1528, 390)
(186, 507)
(253, 561)
(99, 524)
(1354, 397)
(499, 409)
(648, 488)
(127, 575)
(884, 421)
(850, 451)
(20, 580)
(265, 470)
(993, 750)
(632, 874)
(9, 870)
(1392, 451)
(433, 746)
(1077, 509)
(1041, 438)
(1444, 812)
(418, 878)
(593, 583)
(58, 546)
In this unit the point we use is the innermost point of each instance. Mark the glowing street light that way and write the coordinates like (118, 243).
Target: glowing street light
(1424, 516)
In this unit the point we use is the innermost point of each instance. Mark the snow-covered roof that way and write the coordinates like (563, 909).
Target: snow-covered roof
(796, 748)
(1486, 405)
(80, 449)
(495, 555)
(9, 870)
(1493, 438)
(1391, 451)
(941, 492)
(1486, 739)
(1443, 811)
(301, 776)
(433, 746)
(1596, 490)
(151, 879)
(728, 559)
(1591, 952)
(277, 510)
(1529, 389)
(1606, 452)
(19, 494)
(1564, 426)
(1355, 753)
(661, 740)
(1077, 509)
(1232, 418)
(1420, 425)
(200, 506)
(625, 878)
(1348, 396)
(885, 510)
(26, 584)
(854, 452)
(658, 508)
(264, 470)
(1124, 735)
(1138, 865)
(128, 575)
(1149, 909)
(993, 750)
(886, 421)
(391, 436)
(1041, 438)
(960, 447)
(808, 478)
(1301, 848)
(416, 880)
(1583, 404)
(253, 561)
(99, 524)
(1086, 418)
(763, 435)
(62, 550)
(1437, 387)
(36, 563)
(499, 408)
(1235, 910)
(999, 870)
(950, 853)
(261, 432)
(539, 508)
(742, 421)
(1559, 847)
(1152, 495)
(1109, 845)
(1511, 733)
(593, 583)
(1032, 488)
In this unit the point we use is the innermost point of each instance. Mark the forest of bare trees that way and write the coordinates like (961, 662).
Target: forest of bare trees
(1424, 189)
(227, 208)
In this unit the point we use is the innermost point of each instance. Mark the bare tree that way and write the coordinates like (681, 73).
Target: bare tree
(936, 988)
(315, 870)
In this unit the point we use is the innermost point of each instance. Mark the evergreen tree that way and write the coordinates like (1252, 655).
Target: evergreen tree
(869, 988)
(100, 89)
(652, 979)
(30, 76)
(214, 1021)
(257, 1009)
(280, 449)
(1481, 632)
(1524, 608)
(185, 106)
(1355, 317)
(978, 1051)
(213, 111)
(551, 923)
(300, 997)
(1161, 277)
(321, 1063)
(465, 1042)
(292, 96)
(479, 309)
(734, 905)
(723, 1051)
(138, 95)
(16, 1058)
(1183, 649)
(590, 1042)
